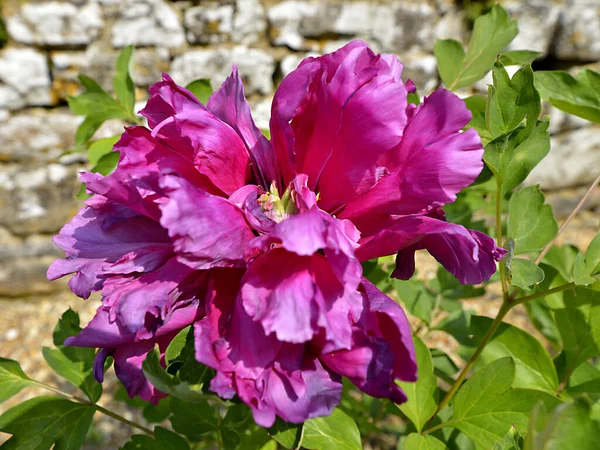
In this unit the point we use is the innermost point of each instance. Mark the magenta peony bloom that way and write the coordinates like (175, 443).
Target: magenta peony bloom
(259, 243)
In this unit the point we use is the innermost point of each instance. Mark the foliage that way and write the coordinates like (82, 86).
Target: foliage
(536, 387)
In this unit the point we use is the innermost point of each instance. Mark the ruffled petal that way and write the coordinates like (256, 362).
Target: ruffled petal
(207, 231)
(229, 104)
(433, 162)
(469, 255)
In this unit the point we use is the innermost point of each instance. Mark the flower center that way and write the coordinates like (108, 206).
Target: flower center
(276, 207)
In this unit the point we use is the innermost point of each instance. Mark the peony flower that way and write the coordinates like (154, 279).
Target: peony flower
(259, 243)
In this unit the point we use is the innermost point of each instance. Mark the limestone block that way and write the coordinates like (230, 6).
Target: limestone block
(26, 78)
(37, 137)
(209, 23)
(147, 23)
(56, 23)
(537, 24)
(573, 160)
(249, 22)
(578, 34)
(256, 67)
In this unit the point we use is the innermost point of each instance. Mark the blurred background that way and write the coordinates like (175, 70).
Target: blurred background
(46, 44)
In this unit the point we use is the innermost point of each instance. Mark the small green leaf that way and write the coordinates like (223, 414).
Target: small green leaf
(580, 97)
(531, 223)
(12, 379)
(86, 130)
(98, 106)
(486, 406)
(163, 440)
(335, 432)
(533, 367)
(491, 34)
(100, 148)
(122, 82)
(416, 298)
(157, 413)
(46, 422)
(579, 325)
(562, 259)
(287, 434)
(416, 441)
(78, 373)
(193, 419)
(586, 268)
(201, 89)
(512, 100)
(231, 439)
(511, 441)
(90, 85)
(518, 57)
(525, 273)
(477, 104)
(512, 156)
(449, 287)
(106, 164)
(170, 384)
(422, 394)
(568, 427)
(176, 346)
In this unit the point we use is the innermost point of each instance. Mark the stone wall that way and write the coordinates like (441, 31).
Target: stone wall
(51, 42)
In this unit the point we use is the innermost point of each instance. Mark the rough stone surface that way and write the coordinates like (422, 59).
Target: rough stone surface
(25, 77)
(56, 24)
(537, 24)
(573, 160)
(147, 23)
(249, 22)
(38, 200)
(36, 138)
(256, 67)
(209, 23)
(578, 34)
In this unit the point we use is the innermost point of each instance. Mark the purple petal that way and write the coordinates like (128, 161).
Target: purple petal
(207, 231)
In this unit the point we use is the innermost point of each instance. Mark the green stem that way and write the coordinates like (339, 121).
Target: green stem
(502, 269)
(562, 287)
(98, 407)
(504, 309)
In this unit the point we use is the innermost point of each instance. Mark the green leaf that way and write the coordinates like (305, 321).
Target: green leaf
(448, 286)
(457, 324)
(67, 326)
(86, 130)
(518, 57)
(78, 373)
(287, 434)
(580, 97)
(100, 106)
(90, 85)
(568, 427)
(486, 406)
(193, 419)
(422, 394)
(176, 346)
(106, 164)
(533, 367)
(201, 89)
(562, 259)
(512, 156)
(163, 440)
(477, 104)
(335, 432)
(579, 326)
(524, 273)
(12, 379)
(46, 422)
(531, 223)
(416, 298)
(170, 384)
(541, 317)
(491, 34)
(586, 269)
(231, 439)
(122, 82)
(512, 100)
(416, 441)
(157, 413)
(100, 148)
(511, 441)
(73, 363)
